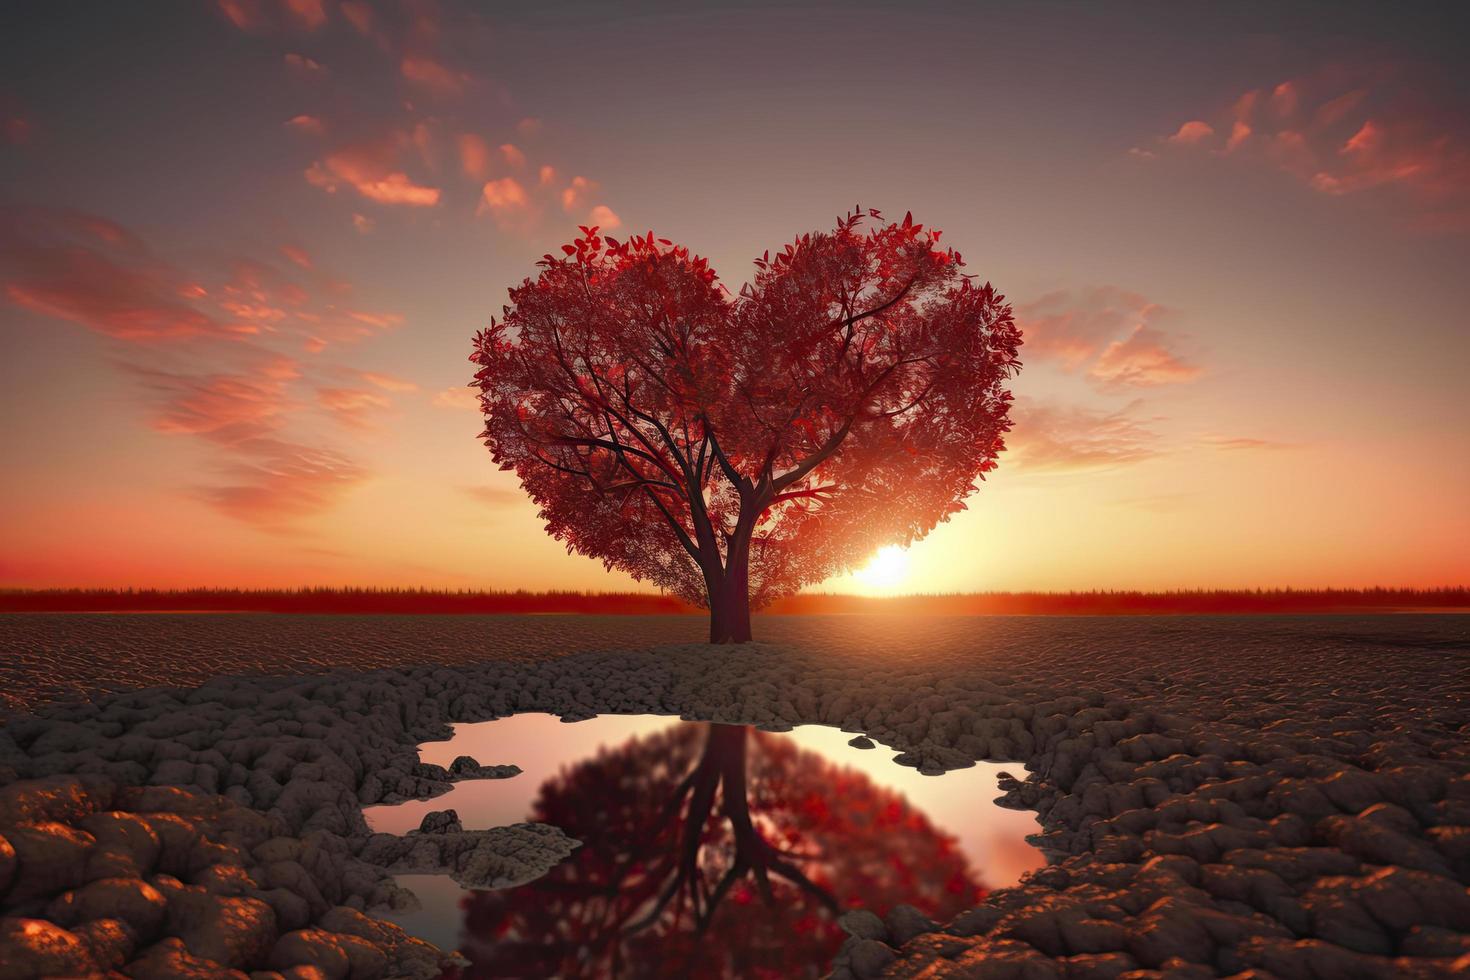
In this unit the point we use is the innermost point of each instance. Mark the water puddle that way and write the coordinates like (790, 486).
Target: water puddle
(708, 850)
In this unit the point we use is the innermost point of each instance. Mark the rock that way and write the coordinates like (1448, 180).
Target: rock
(862, 742)
(235, 932)
(365, 961)
(170, 959)
(37, 948)
(111, 941)
(132, 900)
(904, 922)
(862, 924)
(441, 822)
(7, 865)
(49, 858)
(869, 958)
(311, 947)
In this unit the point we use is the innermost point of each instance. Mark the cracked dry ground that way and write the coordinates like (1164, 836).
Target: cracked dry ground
(1272, 796)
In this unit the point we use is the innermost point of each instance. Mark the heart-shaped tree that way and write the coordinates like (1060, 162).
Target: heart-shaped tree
(732, 449)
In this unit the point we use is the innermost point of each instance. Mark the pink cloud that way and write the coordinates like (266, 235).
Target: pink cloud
(460, 399)
(495, 496)
(307, 14)
(431, 75)
(474, 156)
(512, 156)
(266, 481)
(363, 224)
(1193, 131)
(1141, 360)
(368, 169)
(574, 195)
(302, 64)
(387, 381)
(504, 198)
(223, 407)
(352, 407)
(297, 255)
(91, 271)
(247, 15)
(1109, 331)
(1051, 436)
(305, 124)
(1237, 443)
(1353, 129)
(274, 484)
(359, 15)
(604, 218)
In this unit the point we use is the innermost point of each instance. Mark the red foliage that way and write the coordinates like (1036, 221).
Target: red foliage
(735, 448)
(731, 858)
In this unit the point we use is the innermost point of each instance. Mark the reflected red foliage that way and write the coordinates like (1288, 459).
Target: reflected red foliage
(733, 449)
(721, 855)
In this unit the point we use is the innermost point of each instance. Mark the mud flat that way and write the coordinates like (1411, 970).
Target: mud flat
(1289, 796)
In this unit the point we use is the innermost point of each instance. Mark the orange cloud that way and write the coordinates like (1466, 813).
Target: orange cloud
(574, 195)
(91, 271)
(474, 156)
(387, 382)
(307, 14)
(367, 169)
(1352, 129)
(1141, 360)
(1108, 330)
(431, 75)
(512, 155)
(359, 15)
(363, 224)
(505, 198)
(223, 407)
(274, 484)
(461, 399)
(604, 218)
(495, 496)
(304, 65)
(297, 255)
(1193, 131)
(247, 15)
(305, 124)
(1049, 436)
(1246, 443)
(352, 407)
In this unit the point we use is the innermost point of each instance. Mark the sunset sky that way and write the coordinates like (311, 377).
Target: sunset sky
(244, 246)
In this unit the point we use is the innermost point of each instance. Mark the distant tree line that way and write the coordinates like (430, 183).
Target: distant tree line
(432, 601)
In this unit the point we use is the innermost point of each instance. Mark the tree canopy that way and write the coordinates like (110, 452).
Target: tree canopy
(712, 443)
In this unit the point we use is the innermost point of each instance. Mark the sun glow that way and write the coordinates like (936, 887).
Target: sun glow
(886, 569)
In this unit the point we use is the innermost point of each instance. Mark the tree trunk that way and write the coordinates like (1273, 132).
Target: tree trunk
(729, 597)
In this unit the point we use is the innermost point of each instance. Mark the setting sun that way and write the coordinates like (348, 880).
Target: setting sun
(886, 570)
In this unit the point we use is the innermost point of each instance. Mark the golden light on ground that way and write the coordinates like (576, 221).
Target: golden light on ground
(887, 569)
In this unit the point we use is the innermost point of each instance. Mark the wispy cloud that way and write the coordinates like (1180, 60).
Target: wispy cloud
(1238, 443)
(1346, 130)
(1052, 436)
(93, 272)
(1109, 334)
(495, 496)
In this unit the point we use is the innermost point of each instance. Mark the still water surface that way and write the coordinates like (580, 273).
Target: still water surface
(708, 850)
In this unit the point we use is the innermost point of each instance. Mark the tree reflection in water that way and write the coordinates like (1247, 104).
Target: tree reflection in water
(712, 851)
